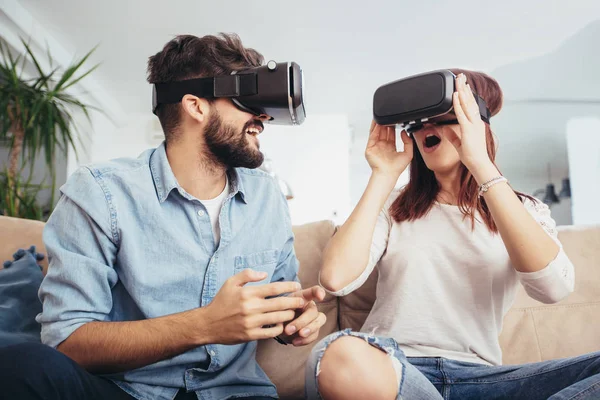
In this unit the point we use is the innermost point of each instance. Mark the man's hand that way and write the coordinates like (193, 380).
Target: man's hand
(305, 328)
(241, 314)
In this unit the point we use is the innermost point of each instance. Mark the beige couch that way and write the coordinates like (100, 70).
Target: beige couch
(532, 331)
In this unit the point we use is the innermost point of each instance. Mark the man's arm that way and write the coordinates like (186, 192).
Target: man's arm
(237, 314)
(81, 239)
(106, 347)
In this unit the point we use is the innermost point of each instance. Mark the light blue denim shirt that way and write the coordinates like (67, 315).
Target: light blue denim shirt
(126, 243)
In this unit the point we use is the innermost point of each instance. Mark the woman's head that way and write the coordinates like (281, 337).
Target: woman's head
(433, 158)
(440, 156)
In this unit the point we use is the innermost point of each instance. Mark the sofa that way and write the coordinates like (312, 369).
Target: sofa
(532, 331)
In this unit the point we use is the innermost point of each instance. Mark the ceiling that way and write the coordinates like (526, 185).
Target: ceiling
(346, 50)
(544, 53)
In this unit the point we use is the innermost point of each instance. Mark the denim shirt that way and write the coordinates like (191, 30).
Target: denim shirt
(127, 243)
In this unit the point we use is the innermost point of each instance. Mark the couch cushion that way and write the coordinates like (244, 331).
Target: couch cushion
(285, 364)
(17, 233)
(355, 307)
(309, 243)
(535, 332)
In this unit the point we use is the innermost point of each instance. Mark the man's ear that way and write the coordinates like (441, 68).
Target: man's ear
(195, 107)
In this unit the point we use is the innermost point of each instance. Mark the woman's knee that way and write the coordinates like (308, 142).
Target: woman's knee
(352, 368)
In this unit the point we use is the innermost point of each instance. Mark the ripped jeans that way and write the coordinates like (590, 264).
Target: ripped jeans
(435, 378)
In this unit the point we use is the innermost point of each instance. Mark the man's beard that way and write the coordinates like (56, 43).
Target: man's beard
(229, 147)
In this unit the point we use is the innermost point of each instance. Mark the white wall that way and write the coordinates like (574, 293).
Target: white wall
(583, 139)
(134, 135)
(542, 95)
(313, 159)
(531, 136)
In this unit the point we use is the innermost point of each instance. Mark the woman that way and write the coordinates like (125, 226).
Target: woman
(451, 248)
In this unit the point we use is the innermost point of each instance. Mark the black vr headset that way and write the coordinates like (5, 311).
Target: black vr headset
(413, 101)
(275, 89)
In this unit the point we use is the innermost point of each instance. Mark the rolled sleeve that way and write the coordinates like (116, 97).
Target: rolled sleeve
(79, 239)
(557, 280)
(287, 268)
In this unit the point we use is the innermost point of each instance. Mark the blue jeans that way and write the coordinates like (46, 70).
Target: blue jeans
(430, 378)
(36, 371)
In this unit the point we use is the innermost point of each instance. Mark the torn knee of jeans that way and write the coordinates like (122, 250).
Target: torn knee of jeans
(372, 333)
(399, 369)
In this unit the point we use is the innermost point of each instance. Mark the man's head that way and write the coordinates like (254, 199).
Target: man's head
(229, 134)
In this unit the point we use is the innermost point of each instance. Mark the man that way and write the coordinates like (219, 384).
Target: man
(166, 269)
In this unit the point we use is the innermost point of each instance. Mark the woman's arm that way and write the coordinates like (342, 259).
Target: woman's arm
(347, 256)
(530, 247)
(529, 234)
(535, 253)
(357, 246)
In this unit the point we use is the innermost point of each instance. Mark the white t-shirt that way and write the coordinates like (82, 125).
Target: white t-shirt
(443, 288)
(213, 207)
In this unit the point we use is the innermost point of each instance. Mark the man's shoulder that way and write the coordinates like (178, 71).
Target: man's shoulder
(119, 167)
(253, 173)
(88, 177)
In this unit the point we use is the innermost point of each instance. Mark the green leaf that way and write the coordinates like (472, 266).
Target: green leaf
(47, 105)
(75, 81)
(33, 58)
(71, 71)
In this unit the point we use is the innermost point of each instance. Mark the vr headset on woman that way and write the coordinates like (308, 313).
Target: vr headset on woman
(275, 89)
(413, 101)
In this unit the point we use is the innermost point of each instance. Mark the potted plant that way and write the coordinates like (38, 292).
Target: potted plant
(36, 115)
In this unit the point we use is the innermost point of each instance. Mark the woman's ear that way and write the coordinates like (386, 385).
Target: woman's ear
(195, 107)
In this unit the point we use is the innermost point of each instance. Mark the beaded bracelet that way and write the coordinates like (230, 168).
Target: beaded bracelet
(487, 185)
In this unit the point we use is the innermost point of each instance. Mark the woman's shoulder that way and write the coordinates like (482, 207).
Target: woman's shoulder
(535, 206)
(392, 197)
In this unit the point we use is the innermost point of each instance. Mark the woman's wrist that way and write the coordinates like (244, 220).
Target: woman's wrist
(484, 172)
(384, 179)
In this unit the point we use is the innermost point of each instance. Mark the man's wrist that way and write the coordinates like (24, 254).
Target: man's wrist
(197, 323)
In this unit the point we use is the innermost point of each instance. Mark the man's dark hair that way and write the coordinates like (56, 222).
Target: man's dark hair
(189, 57)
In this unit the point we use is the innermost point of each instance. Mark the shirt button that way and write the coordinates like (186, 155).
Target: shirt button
(201, 213)
(212, 353)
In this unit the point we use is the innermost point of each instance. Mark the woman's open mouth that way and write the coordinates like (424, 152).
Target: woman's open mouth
(431, 142)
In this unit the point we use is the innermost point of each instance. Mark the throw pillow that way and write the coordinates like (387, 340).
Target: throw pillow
(19, 303)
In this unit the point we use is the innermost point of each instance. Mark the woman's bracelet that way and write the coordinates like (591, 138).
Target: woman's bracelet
(487, 185)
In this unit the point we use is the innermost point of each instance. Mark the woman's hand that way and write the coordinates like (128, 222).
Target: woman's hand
(470, 141)
(381, 151)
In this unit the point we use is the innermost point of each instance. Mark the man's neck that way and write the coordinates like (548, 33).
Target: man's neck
(196, 174)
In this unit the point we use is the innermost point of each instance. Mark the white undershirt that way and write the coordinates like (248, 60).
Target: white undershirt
(213, 208)
(444, 288)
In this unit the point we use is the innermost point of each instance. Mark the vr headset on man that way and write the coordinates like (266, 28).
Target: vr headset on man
(275, 89)
(413, 101)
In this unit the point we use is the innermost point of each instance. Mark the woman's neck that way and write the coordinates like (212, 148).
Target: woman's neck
(449, 183)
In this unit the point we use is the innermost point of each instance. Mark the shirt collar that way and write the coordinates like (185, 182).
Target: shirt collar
(165, 181)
